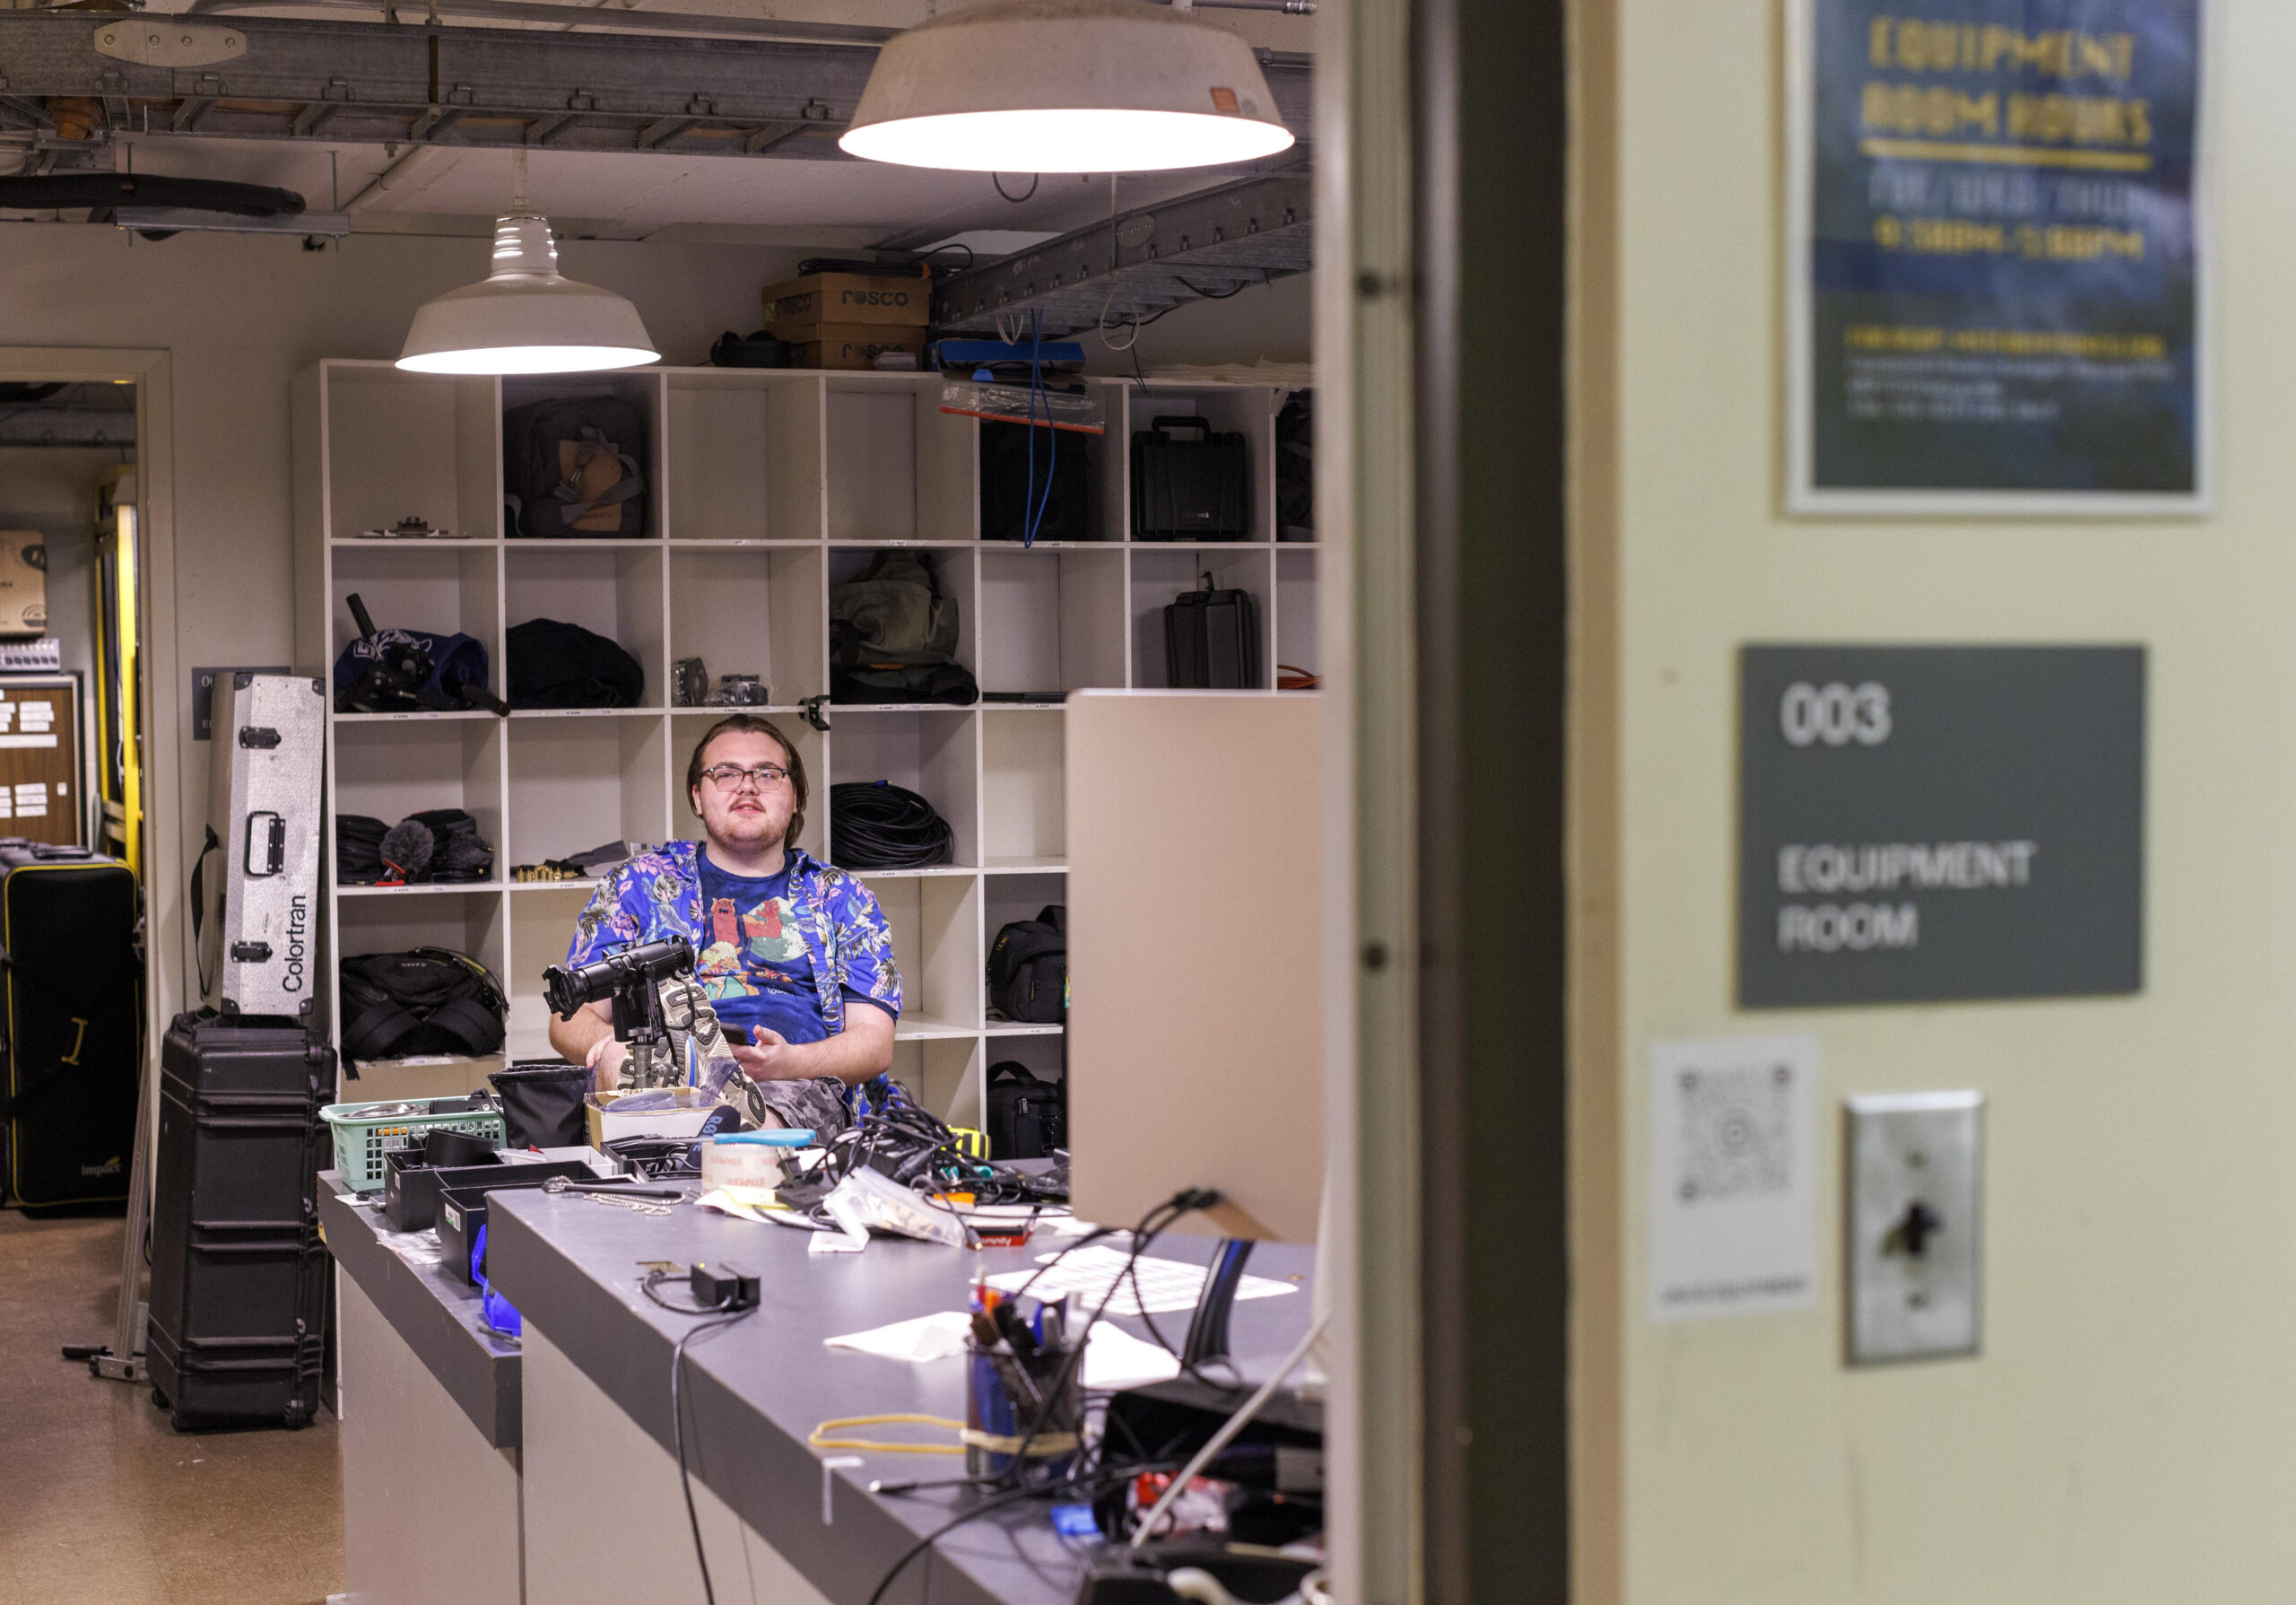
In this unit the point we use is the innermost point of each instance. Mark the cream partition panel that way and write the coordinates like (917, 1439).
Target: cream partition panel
(766, 489)
(2123, 1439)
(1195, 957)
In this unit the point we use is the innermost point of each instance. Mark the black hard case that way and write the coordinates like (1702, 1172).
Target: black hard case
(237, 1329)
(1212, 640)
(1190, 490)
(74, 1014)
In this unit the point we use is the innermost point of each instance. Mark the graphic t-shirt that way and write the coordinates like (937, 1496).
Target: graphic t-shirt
(752, 960)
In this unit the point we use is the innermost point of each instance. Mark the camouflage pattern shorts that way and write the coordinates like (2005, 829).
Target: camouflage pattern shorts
(817, 1105)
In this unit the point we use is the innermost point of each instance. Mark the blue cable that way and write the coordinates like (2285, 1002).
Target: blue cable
(1037, 510)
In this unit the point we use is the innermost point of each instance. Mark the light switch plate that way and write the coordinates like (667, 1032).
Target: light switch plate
(1916, 1225)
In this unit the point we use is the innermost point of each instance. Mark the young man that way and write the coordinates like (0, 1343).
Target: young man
(790, 951)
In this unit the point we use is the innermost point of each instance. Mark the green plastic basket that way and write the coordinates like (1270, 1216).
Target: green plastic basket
(363, 1141)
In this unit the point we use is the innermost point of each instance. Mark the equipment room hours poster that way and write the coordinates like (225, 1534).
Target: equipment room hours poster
(1996, 292)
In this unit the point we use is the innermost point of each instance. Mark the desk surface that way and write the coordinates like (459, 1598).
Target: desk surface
(437, 1316)
(759, 1387)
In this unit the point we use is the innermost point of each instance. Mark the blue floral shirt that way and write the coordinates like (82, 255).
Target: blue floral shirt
(658, 894)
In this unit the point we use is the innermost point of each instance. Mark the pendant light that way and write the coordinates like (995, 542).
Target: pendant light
(523, 318)
(1066, 86)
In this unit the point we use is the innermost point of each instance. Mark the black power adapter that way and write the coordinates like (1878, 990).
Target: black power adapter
(724, 1287)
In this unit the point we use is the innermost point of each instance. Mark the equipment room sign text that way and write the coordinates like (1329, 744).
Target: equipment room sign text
(1930, 823)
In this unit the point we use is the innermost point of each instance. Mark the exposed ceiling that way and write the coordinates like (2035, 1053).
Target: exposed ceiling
(845, 205)
(460, 177)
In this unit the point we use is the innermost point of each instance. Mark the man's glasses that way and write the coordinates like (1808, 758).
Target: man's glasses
(763, 778)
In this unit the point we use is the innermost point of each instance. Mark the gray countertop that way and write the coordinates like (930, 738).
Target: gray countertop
(437, 1316)
(758, 1388)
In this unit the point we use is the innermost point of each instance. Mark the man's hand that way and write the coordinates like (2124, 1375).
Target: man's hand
(606, 1059)
(863, 1049)
(768, 1056)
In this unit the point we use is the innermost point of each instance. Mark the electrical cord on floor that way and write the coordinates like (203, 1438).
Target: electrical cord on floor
(716, 1323)
(876, 825)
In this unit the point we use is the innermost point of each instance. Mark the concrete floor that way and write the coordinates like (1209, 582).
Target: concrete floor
(100, 1499)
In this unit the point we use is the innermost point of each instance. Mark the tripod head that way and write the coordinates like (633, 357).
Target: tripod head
(628, 979)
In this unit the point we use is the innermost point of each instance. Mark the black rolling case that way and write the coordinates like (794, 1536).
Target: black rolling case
(1212, 640)
(75, 999)
(238, 1331)
(1190, 490)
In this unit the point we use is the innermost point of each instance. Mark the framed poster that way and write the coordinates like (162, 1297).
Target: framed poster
(1994, 246)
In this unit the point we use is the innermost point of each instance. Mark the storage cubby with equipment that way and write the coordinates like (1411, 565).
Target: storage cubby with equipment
(763, 489)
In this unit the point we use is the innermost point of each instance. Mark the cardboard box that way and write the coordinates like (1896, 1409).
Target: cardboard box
(24, 582)
(859, 346)
(683, 1120)
(795, 309)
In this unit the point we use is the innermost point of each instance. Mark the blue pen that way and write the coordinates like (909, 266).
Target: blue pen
(769, 1139)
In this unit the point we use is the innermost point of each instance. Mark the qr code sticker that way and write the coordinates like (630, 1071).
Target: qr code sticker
(1735, 1135)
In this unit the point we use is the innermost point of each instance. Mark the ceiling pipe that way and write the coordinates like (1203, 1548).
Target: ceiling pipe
(397, 173)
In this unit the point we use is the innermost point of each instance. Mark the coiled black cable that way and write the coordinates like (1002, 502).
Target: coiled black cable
(876, 825)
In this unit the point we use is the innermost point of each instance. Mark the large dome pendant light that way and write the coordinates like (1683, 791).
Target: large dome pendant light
(523, 318)
(1066, 86)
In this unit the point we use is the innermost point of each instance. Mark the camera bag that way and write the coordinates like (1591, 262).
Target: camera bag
(893, 636)
(1028, 1116)
(1052, 479)
(575, 467)
(426, 1000)
(552, 664)
(1028, 968)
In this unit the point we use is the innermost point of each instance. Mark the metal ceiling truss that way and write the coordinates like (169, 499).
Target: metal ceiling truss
(1142, 263)
(445, 84)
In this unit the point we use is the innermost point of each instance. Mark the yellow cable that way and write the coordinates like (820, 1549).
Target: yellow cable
(818, 1441)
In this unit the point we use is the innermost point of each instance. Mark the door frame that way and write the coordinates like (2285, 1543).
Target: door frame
(164, 912)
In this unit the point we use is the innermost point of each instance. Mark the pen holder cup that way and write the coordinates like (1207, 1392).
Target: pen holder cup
(1004, 1398)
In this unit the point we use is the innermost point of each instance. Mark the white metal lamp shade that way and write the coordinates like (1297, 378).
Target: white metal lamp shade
(1065, 86)
(524, 319)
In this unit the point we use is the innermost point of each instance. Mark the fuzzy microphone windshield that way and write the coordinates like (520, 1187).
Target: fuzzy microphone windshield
(407, 847)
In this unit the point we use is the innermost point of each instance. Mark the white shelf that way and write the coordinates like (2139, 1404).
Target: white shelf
(423, 888)
(921, 1028)
(649, 712)
(414, 716)
(765, 488)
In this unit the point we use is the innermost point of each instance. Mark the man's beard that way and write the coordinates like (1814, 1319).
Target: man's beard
(761, 827)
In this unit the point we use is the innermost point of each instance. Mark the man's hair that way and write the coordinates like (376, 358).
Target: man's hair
(750, 724)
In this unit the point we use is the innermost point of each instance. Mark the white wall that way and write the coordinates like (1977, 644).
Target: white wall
(2125, 1436)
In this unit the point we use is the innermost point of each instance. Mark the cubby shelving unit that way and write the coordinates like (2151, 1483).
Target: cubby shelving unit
(764, 489)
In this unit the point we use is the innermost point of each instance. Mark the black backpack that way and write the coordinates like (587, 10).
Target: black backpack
(427, 1000)
(1028, 1116)
(1028, 969)
(575, 467)
(552, 664)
